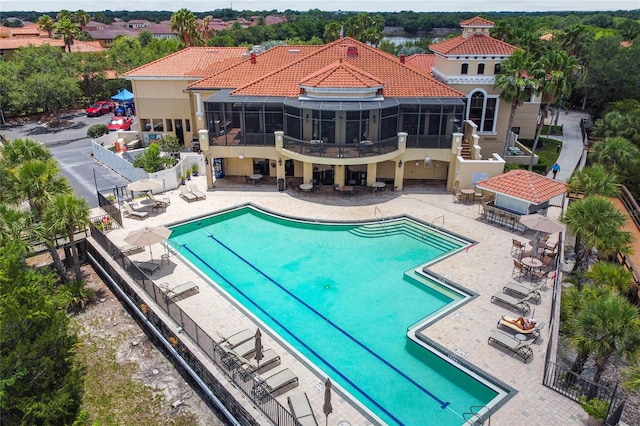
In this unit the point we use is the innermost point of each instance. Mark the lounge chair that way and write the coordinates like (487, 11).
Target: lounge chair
(519, 348)
(237, 338)
(269, 360)
(301, 409)
(276, 383)
(135, 214)
(193, 188)
(149, 267)
(131, 249)
(179, 290)
(510, 322)
(244, 350)
(186, 194)
(512, 302)
(522, 291)
(158, 202)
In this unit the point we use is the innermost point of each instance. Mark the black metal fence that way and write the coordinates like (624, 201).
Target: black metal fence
(247, 382)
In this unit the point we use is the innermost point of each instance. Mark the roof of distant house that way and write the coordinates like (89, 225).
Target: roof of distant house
(77, 46)
(524, 185)
(422, 61)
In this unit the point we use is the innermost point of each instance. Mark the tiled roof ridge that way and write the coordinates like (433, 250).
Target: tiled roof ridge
(351, 41)
(477, 20)
(355, 72)
(458, 41)
(248, 58)
(179, 52)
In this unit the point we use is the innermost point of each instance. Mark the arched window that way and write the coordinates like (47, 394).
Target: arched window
(483, 110)
(480, 69)
(465, 69)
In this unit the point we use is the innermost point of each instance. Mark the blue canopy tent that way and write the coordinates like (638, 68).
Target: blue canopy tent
(123, 96)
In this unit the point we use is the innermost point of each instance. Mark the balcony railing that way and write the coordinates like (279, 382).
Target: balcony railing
(334, 150)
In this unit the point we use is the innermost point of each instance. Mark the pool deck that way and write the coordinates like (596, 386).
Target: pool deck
(484, 269)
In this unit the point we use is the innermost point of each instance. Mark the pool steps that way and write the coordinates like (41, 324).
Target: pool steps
(379, 230)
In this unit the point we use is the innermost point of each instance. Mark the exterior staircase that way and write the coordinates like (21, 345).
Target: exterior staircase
(466, 149)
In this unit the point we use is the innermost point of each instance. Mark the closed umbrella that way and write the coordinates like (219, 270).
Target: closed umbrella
(148, 236)
(259, 355)
(327, 408)
(143, 185)
(541, 223)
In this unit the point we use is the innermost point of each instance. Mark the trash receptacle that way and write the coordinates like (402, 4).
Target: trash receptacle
(559, 147)
(280, 184)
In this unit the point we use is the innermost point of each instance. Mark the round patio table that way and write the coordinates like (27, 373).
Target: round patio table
(306, 187)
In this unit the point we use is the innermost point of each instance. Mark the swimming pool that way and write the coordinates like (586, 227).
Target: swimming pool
(344, 295)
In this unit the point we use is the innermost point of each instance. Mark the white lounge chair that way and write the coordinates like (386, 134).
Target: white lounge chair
(179, 290)
(301, 409)
(186, 194)
(130, 212)
(193, 188)
(237, 338)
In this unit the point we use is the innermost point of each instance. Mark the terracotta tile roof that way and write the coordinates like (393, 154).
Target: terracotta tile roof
(192, 61)
(77, 46)
(477, 22)
(547, 37)
(340, 74)
(422, 61)
(278, 79)
(245, 72)
(477, 44)
(524, 185)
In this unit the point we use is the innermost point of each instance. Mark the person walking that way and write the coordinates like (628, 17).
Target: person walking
(555, 169)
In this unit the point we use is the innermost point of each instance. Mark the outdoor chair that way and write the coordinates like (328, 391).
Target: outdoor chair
(510, 323)
(158, 202)
(131, 249)
(516, 247)
(275, 384)
(179, 290)
(237, 338)
(519, 271)
(270, 359)
(521, 291)
(193, 188)
(185, 194)
(135, 214)
(519, 304)
(301, 409)
(517, 347)
(149, 267)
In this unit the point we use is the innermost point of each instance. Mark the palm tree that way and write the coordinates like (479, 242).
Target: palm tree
(15, 225)
(68, 30)
(608, 325)
(555, 73)
(331, 31)
(21, 150)
(594, 180)
(205, 29)
(515, 85)
(611, 275)
(185, 23)
(596, 223)
(81, 18)
(46, 23)
(632, 379)
(617, 154)
(573, 301)
(66, 214)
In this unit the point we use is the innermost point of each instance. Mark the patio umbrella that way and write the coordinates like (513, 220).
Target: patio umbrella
(541, 223)
(148, 236)
(143, 185)
(259, 355)
(327, 408)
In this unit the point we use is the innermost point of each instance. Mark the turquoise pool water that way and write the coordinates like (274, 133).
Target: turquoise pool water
(344, 296)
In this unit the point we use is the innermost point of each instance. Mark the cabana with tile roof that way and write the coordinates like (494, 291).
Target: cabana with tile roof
(522, 192)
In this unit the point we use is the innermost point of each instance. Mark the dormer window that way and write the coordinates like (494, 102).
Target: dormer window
(480, 69)
(465, 69)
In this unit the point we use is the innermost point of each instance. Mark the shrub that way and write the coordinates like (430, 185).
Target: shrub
(97, 130)
(596, 408)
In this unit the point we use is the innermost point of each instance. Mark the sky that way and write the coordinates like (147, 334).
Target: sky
(328, 5)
